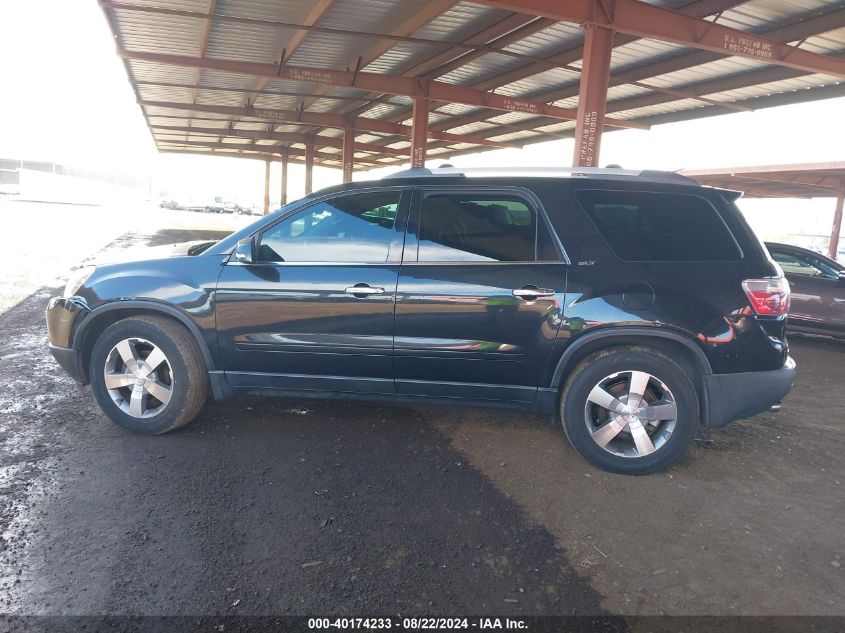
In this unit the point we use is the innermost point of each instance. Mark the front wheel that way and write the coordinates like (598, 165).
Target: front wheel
(147, 375)
(630, 410)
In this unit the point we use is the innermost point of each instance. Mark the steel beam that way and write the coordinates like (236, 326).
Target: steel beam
(635, 17)
(266, 186)
(823, 182)
(286, 137)
(499, 35)
(348, 154)
(318, 10)
(425, 13)
(323, 119)
(309, 168)
(210, 152)
(270, 150)
(565, 58)
(697, 8)
(376, 82)
(419, 132)
(708, 87)
(283, 192)
(209, 22)
(592, 100)
(833, 247)
(818, 23)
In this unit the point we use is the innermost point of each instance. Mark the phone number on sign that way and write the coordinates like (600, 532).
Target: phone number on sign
(389, 623)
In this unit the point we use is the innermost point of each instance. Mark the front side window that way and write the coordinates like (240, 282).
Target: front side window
(468, 228)
(806, 265)
(659, 227)
(350, 228)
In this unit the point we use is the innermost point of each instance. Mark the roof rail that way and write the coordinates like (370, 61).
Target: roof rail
(650, 175)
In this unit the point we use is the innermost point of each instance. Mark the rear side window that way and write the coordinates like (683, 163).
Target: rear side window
(798, 264)
(659, 227)
(467, 228)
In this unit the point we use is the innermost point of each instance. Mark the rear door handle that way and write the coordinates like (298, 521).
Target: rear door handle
(532, 292)
(364, 289)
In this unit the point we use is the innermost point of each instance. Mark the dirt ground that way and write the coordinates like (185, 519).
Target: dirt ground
(271, 506)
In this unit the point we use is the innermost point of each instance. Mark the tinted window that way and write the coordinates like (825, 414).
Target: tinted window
(458, 227)
(352, 228)
(807, 265)
(659, 227)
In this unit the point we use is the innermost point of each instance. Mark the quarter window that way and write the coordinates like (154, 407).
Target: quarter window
(467, 228)
(659, 227)
(351, 228)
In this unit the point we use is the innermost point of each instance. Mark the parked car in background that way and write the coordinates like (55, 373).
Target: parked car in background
(170, 204)
(818, 290)
(634, 306)
(213, 205)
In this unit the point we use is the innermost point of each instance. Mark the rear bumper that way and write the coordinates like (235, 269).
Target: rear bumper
(735, 396)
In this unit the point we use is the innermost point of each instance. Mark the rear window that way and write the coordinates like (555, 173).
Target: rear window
(659, 227)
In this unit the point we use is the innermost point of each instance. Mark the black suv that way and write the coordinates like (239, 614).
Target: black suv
(635, 305)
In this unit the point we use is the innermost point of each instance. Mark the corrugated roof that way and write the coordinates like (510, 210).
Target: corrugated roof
(806, 180)
(462, 43)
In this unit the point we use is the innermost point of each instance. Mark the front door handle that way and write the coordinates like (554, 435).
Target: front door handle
(364, 289)
(530, 293)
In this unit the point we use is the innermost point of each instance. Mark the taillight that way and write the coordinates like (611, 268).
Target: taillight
(768, 297)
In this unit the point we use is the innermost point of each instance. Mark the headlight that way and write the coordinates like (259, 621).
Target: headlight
(78, 276)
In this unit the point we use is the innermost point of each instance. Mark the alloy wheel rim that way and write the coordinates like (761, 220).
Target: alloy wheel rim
(138, 377)
(631, 414)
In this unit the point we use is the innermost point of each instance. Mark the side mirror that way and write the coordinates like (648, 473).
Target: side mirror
(842, 275)
(245, 251)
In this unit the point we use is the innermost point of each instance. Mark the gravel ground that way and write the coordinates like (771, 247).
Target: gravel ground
(271, 506)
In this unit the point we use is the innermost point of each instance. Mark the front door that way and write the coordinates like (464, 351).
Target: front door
(480, 295)
(316, 309)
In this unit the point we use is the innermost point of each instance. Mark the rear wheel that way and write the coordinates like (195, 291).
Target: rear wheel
(147, 375)
(630, 410)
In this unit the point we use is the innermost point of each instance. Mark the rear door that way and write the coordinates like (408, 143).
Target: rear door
(480, 295)
(818, 295)
(316, 310)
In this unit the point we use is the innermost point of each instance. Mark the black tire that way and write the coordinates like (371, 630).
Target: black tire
(189, 377)
(592, 371)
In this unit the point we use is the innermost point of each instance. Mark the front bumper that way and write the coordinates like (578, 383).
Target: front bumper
(735, 396)
(68, 358)
(63, 317)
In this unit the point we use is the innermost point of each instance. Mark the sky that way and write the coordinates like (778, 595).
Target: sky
(65, 97)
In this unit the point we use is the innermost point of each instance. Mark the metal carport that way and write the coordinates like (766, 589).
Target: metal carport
(367, 83)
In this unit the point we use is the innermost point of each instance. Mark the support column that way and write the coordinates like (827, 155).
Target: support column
(348, 153)
(833, 248)
(419, 132)
(266, 187)
(592, 95)
(283, 194)
(309, 167)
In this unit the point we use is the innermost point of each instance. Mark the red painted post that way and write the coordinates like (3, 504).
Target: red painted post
(833, 248)
(283, 195)
(592, 96)
(309, 167)
(419, 132)
(348, 153)
(266, 187)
